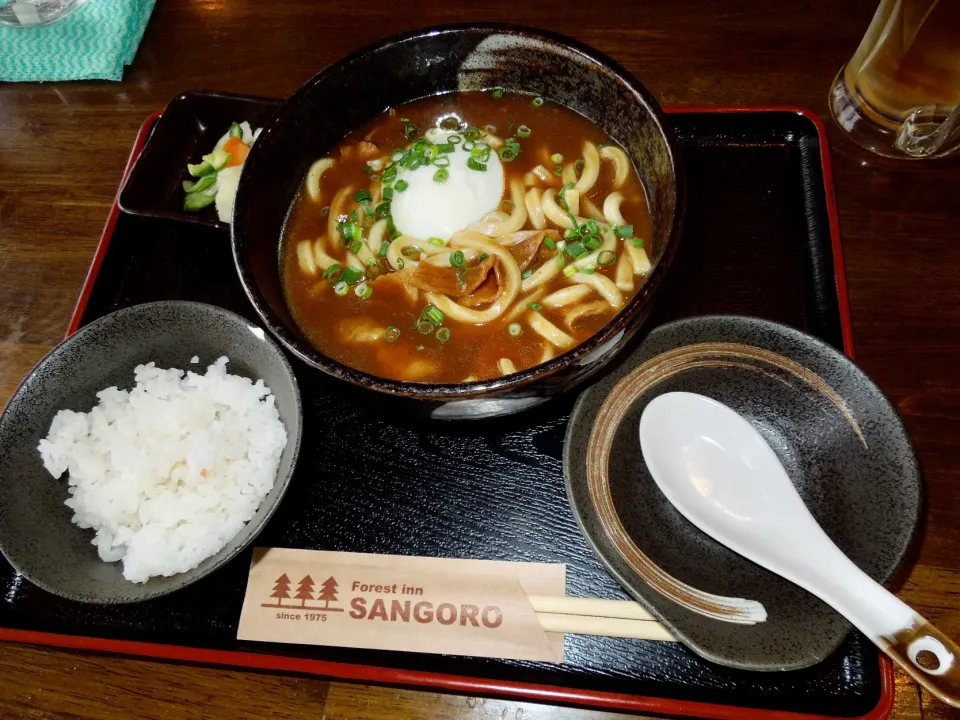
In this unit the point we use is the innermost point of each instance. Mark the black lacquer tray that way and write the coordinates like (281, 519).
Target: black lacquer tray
(760, 239)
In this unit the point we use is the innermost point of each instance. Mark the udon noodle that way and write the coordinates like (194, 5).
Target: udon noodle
(544, 242)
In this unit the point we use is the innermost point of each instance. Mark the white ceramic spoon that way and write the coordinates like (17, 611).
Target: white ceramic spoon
(721, 474)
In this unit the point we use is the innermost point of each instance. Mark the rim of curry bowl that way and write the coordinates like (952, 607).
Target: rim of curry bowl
(309, 354)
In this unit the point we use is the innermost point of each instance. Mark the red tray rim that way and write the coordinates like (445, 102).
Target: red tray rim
(456, 683)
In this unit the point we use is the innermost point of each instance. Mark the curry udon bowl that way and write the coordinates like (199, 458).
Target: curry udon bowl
(363, 86)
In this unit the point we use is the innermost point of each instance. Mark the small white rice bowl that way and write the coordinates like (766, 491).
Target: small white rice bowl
(169, 472)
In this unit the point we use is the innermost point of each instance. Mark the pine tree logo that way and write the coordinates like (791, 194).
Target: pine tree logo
(305, 591)
(281, 591)
(328, 593)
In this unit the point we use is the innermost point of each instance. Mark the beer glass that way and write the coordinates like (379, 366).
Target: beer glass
(899, 95)
(35, 13)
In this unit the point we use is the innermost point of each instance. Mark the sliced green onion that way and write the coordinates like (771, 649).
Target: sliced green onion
(411, 250)
(558, 170)
(384, 246)
(433, 314)
(325, 211)
(424, 327)
(383, 209)
(492, 129)
(439, 242)
(469, 145)
(535, 306)
(537, 101)
(571, 233)
(625, 231)
(497, 93)
(402, 185)
(523, 131)
(482, 257)
(592, 228)
(471, 133)
(357, 233)
(355, 246)
(507, 154)
(445, 148)
(592, 242)
(474, 165)
(561, 260)
(576, 250)
(443, 334)
(507, 206)
(457, 258)
(637, 242)
(363, 291)
(352, 276)
(441, 175)
(442, 162)
(367, 169)
(391, 334)
(556, 158)
(549, 242)
(410, 130)
(454, 139)
(373, 270)
(360, 195)
(578, 167)
(515, 329)
(333, 274)
(526, 273)
(354, 216)
(570, 270)
(388, 193)
(340, 289)
(450, 123)
(589, 270)
(606, 257)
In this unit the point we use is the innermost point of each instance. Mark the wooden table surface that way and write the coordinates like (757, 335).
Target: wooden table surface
(63, 147)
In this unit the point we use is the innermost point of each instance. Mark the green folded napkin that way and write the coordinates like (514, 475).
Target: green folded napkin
(94, 43)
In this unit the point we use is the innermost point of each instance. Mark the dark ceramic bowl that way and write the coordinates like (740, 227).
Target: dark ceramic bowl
(425, 63)
(839, 439)
(36, 534)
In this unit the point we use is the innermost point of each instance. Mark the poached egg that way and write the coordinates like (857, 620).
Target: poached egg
(431, 209)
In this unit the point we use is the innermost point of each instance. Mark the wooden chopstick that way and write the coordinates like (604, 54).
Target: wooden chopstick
(609, 627)
(626, 609)
(594, 616)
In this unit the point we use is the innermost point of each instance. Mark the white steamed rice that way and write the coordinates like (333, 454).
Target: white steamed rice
(169, 472)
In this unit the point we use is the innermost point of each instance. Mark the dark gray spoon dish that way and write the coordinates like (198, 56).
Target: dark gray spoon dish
(444, 60)
(839, 439)
(36, 534)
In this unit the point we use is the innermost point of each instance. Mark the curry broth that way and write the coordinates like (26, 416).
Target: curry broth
(342, 326)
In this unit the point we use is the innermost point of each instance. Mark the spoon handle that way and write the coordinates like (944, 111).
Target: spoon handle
(940, 669)
(925, 653)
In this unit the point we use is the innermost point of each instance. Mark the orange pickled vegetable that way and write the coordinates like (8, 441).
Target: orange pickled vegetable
(238, 151)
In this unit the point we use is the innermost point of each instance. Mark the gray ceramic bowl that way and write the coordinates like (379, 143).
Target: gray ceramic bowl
(36, 534)
(839, 439)
(443, 60)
